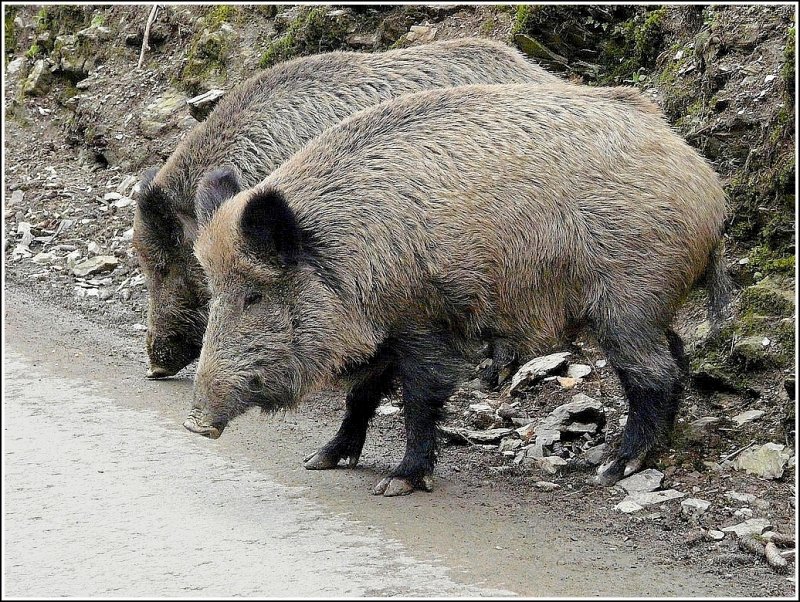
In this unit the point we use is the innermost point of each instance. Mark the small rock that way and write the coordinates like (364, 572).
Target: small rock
(714, 535)
(550, 464)
(92, 292)
(126, 184)
(648, 498)
(646, 480)
(421, 33)
(536, 369)
(123, 202)
(767, 461)
(14, 66)
(578, 371)
(387, 410)
(594, 455)
(753, 526)
(744, 498)
(546, 485)
(600, 364)
(693, 507)
(95, 265)
(699, 428)
(743, 513)
(93, 248)
(747, 416)
(43, 258)
(73, 257)
(509, 411)
(566, 382)
(200, 107)
(128, 235)
(38, 81)
(628, 506)
(16, 197)
(509, 444)
(469, 436)
(125, 294)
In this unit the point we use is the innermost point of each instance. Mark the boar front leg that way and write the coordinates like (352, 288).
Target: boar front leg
(372, 384)
(425, 368)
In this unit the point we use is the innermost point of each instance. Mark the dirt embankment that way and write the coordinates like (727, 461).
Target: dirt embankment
(82, 122)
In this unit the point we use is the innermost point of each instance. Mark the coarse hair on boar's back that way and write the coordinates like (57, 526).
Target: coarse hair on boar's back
(256, 127)
(400, 236)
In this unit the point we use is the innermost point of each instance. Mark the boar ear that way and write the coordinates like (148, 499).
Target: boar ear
(147, 192)
(215, 188)
(269, 227)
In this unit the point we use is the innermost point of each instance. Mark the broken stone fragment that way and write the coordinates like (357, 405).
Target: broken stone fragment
(95, 265)
(694, 508)
(753, 526)
(537, 369)
(649, 498)
(646, 480)
(747, 416)
(767, 461)
(201, 106)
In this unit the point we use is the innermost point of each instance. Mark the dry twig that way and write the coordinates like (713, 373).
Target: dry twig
(146, 36)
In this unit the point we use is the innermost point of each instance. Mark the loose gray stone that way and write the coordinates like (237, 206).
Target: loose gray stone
(536, 369)
(387, 410)
(594, 455)
(628, 506)
(550, 464)
(546, 485)
(753, 526)
(95, 265)
(744, 498)
(201, 106)
(767, 461)
(38, 81)
(649, 498)
(578, 371)
(747, 416)
(470, 436)
(646, 480)
(714, 535)
(43, 258)
(694, 507)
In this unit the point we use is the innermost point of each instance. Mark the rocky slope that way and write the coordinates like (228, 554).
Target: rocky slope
(82, 121)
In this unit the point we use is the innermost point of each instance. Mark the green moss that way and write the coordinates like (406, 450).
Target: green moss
(787, 71)
(310, 32)
(34, 51)
(522, 16)
(9, 31)
(98, 21)
(207, 58)
(768, 297)
(767, 261)
(218, 15)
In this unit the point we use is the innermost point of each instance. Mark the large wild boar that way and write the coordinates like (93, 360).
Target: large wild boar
(258, 125)
(377, 253)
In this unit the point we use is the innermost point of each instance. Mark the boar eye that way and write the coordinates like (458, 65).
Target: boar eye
(251, 298)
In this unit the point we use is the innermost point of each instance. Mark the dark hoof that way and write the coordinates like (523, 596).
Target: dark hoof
(156, 372)
(608, 474)
(394, 486)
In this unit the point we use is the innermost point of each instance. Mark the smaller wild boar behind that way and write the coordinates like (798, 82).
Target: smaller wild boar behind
(258, 125)
(386, 245)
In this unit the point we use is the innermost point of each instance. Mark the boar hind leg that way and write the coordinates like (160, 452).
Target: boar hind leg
(425, 369)
(649, 368)
(363, 398)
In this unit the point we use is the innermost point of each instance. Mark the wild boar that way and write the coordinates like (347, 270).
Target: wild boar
(388, 245)
(258, 125)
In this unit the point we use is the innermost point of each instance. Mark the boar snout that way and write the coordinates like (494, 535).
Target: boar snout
(168, 355)
(199, 422)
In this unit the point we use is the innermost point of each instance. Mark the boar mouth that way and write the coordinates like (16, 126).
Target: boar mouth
(196, 423)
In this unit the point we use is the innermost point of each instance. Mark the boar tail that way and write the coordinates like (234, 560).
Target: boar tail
(719, 287)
